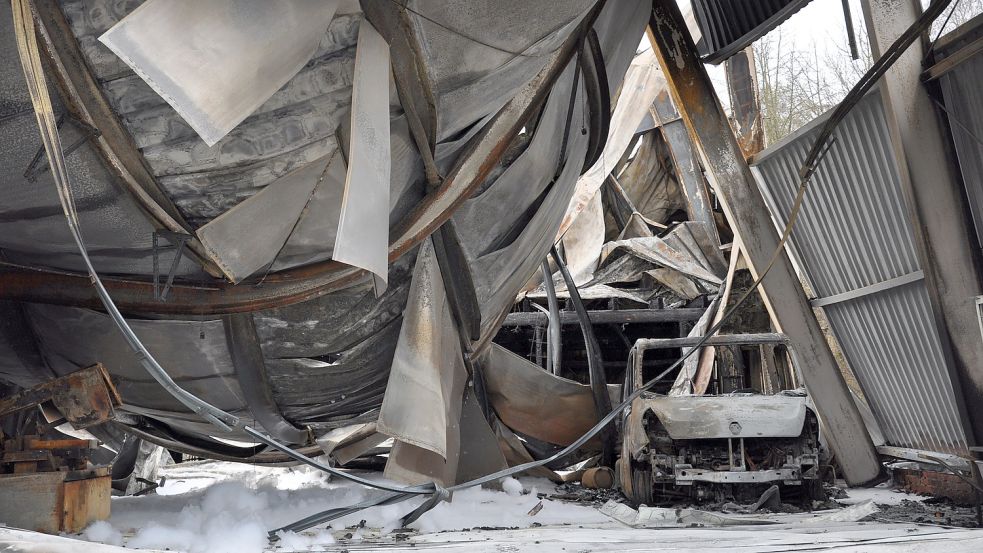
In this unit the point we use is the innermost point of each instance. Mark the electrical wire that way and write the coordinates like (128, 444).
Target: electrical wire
(30, 59)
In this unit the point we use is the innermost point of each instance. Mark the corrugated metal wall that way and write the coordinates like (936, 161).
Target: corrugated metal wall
(729, 26)
(854, 242)
(962, 88)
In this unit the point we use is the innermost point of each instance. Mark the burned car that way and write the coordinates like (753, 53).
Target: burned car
(731, 445)
(717, 448)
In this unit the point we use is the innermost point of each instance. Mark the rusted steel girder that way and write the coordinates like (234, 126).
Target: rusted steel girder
(43, 285)
(710, 131)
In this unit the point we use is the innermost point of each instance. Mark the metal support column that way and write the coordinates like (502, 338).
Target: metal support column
(686, 163)
(746, 210)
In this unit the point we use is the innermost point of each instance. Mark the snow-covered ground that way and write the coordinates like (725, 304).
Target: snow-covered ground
(218, 507)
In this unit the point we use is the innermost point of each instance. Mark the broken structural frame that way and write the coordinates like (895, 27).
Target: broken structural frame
(613, 316)
(742, 201)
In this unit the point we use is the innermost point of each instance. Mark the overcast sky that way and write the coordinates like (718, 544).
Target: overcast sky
(818, 26)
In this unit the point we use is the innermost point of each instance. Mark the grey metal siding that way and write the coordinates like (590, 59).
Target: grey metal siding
(853, 240)
(962, 89)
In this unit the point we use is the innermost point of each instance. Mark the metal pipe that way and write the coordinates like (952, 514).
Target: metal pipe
(598, 378)
(554, 347)
(718, 340)
(613, 316)
(851, 35)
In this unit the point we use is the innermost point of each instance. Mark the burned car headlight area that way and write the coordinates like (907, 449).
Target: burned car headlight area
(723, 448)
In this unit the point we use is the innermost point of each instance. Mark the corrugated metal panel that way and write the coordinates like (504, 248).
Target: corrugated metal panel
(853, 235)
(729, 26)
(962, 89)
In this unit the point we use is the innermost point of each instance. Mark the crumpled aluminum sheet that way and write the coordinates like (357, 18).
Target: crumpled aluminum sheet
(294, 127)
(215, 62)
(349, 442)
(251, 235)
(328, 359)
(598, 292)
(655, 250)
(500, 274)
(583, 241)
(32, 226)
(194, 353)
(428, 372)
(363, 235)
(537, 403)
(693, 238)
(427, 379)
(684, 261)
(650, 182)
(334, 388)
(476, 66)
(498, 208)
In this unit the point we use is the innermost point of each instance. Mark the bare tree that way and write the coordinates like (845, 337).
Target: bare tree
(794, 86)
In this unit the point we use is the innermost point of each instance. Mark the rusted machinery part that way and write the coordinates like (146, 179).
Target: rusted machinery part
(598, 478)
(598, 379)
(44, 285)
(84, 398)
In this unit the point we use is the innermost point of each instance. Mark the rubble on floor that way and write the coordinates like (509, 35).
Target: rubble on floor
(217, 506)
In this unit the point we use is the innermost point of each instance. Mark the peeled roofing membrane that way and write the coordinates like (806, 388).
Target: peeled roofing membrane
(363, 232)
(215, 62)
(422, 406)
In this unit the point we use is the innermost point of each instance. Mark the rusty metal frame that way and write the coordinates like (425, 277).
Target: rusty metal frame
(44, 285)
(84, 398)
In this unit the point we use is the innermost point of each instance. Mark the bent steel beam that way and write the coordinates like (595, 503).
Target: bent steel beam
(746, 210)
(250, 367)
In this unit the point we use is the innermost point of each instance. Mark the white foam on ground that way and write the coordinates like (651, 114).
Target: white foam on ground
(512, 486)
(229, 508)
(103, 532)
